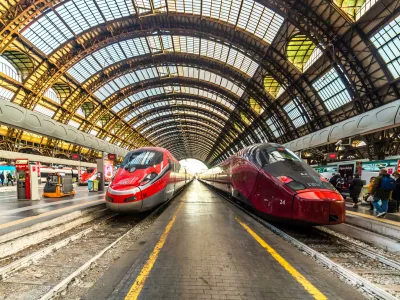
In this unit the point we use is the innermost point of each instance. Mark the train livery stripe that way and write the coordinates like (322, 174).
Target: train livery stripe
(137, 286)
(300, 278)
(24, 220)
(394, 223)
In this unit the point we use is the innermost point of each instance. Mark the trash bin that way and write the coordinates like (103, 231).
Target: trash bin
(95, 186)
(90, 185)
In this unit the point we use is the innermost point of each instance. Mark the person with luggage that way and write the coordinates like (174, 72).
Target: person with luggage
(10, 179)
(355, 189)
(334, 179)
(381, 190)
(368, 195)
(396, 192)
(340, 184)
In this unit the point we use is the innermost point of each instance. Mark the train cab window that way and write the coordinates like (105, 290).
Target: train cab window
(281, 154)
(265, 156)
(142, 159)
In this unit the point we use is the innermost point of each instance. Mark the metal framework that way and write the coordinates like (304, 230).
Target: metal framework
(201, 78)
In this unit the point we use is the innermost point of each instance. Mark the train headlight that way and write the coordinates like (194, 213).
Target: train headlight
(148, 178)
(285, 179)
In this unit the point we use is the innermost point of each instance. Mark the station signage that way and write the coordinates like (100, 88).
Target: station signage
(331, 156)
(75, 156)
(112, 156)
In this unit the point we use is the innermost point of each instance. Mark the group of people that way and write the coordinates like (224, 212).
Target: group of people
(382, 190)
(6, 179)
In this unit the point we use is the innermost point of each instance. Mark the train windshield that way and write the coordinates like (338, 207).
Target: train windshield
(142, 159)
(281, 154)
(266, 156)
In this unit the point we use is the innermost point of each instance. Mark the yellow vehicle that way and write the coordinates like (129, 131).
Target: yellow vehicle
(58, 185)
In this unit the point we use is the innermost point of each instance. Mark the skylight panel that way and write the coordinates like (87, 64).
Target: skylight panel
(387, 41)
(260, 134)
(73, 124)
(80, 15)
(114, 9)
(51, 94)
(47, 33)
(315, 55)
(44, 110)
(80, 112)
(295, 113)
(109, 55)
(332, 90)
(366, 6)
(94, 132)
(6, 94)
(85, 68)
(272, 127)
(8, 69)
(143, 6)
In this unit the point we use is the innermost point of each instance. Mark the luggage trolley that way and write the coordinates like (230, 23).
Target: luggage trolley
(58, 185)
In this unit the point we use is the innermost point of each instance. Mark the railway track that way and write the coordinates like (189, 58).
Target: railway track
(376, 275)
(47, 272)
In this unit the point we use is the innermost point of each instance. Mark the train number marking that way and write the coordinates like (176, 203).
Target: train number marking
(282, 202)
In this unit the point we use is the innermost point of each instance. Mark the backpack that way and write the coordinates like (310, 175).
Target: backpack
(388, 183)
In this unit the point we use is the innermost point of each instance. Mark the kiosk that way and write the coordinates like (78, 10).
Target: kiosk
(27, 180)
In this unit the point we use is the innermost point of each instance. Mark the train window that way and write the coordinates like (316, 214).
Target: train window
(142, 159)
(281, 154)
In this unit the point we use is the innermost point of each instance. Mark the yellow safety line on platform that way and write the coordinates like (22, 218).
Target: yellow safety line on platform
(49, 213)
(137, 286)
(300, 278)
(395, 223)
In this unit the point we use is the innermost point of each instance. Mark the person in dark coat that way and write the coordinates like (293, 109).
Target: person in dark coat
(2, 178)
(355, 189)
(334, 179)
(396, 192)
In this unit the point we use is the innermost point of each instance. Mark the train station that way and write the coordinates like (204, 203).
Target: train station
(219, 149)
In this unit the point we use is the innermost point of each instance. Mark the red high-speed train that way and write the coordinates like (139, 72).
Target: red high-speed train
(277, 184)
(146, 178)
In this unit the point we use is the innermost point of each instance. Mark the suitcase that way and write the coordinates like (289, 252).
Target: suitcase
(392, 206)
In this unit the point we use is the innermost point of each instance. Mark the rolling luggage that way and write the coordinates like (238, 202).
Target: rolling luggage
(392, 206)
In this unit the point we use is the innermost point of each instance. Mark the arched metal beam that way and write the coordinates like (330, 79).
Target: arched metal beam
(215, 117)
(277, 64)
(206, 140)
(166, 126)
(173, 97)
(185, 128)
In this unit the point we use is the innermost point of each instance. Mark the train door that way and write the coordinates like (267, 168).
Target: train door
(171, 178)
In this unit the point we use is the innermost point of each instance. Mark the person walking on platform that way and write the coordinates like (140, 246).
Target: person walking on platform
(10, 179)
(355, 189)
(340, 184)
(334, 179)
(383, 186)
(369, 191)
(2, 178)
(396, 192)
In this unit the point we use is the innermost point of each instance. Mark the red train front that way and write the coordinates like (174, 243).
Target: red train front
(146, 178)
(278, 184)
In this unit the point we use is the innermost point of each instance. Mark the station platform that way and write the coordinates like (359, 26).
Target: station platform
(16, 214)
(202, 247)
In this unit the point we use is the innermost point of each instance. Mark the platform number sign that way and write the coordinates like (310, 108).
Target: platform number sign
(75, 156)
(111, 156)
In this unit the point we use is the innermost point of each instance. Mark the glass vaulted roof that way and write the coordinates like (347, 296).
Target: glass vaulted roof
(123, 50)
(176, 112)
(173, 103)
(183, 118)
(55, 27)
(165, 72)
(172, 90)
(171, 121)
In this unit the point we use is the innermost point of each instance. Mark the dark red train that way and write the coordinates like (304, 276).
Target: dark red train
(277, 184)
(146, 178)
